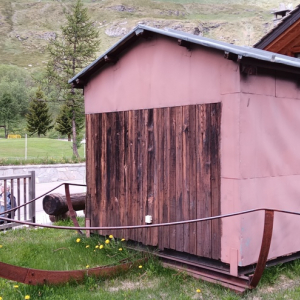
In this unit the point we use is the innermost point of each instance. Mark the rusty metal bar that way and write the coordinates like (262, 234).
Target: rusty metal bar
(265, 247)
(152, 225)
(71, 209)
(36, 276)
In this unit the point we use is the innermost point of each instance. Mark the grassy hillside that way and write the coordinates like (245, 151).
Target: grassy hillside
(26, 26)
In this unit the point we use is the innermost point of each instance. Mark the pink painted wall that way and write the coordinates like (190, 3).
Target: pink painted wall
(266, 169)
(159, 74)
(259, 131)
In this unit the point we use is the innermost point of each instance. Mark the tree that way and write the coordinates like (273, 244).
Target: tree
(69, 54)
(64, 122)
(38, 118)
(8, 112)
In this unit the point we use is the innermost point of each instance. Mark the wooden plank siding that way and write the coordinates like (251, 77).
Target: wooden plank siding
(162, 162)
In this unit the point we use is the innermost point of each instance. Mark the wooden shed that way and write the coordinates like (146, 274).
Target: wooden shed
(181, 127)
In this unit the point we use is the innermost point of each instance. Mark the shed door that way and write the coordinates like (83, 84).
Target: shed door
(161, 162)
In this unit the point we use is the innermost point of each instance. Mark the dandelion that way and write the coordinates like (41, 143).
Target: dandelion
(198, 291)
(140, 267)
(1, 246)
(97, 247)
(122, 240)
(1, 298)
(87, 266)
(120, 249)
(27, 297)
(16, 286)
(107, 242)
(87, 246)
(78, 240)
(101, 246)
(111, 236)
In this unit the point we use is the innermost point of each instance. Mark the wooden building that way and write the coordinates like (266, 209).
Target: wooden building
(181, 127)
(284, 38)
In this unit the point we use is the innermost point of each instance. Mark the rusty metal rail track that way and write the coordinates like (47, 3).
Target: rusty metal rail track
(39, 277)
(238, 283)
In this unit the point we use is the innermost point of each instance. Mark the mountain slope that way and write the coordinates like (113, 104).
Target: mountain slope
(26, 26)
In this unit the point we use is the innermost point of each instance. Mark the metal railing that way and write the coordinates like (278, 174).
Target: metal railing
(17, 191)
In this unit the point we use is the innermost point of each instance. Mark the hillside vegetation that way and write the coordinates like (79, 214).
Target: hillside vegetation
(26, 26)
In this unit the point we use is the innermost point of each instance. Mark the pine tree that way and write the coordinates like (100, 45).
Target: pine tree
(8, 112)
(38, 118)
(68, 55)
(64, 122)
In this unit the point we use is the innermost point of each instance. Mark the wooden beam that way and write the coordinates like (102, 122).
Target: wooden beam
(110, 59)
(185, 44)
(287, 37)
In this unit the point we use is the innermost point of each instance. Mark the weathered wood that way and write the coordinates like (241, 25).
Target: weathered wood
(150, 173)
(186, 177)
(145, 174)
(165, 238)
(162, 162)
(215, 180)
(179, 178)
(56, 204)
(192, 179)
(172, 183)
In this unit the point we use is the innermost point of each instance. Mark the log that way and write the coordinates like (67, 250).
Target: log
(56, 204)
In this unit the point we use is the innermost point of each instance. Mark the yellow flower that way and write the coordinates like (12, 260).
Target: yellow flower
(140, 267)
(87, 246)
(111, 236)
(87, 266)
(27, 297)
(78, 240)
(97, 246)
(120, 249)
(101, 246)
(107, 242)
(198, 291)
(1, 298)
(16, 286)
(1, 246)
(122, 240)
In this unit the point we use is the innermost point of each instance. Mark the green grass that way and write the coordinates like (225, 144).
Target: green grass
(39, 150)
(53, 249)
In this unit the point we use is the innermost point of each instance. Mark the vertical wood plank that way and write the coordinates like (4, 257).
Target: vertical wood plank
(126, 174)
(165, 235)
(215, 178)
(192, 178)
(89, 178)
(186, 177)
(150, 173)
(160, 199)
(120, 171)
(134, 160)
(140, 167)
(96, 168)
(172, 185)
(144, 212)
(103, 194)
(130, 154)
(179, 179)
(203, 183)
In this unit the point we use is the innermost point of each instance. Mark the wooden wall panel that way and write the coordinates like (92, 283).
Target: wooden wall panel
(161, 162)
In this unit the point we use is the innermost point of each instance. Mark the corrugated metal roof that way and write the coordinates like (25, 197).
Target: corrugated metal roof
(285, 23)
(205, 42)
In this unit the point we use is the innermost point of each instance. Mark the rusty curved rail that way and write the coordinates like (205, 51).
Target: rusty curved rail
(39, 277)
(254, 279)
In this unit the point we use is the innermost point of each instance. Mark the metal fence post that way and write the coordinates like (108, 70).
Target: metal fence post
(32, 196)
